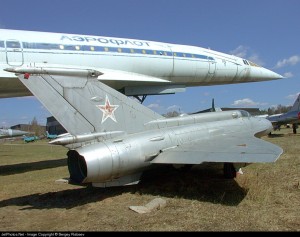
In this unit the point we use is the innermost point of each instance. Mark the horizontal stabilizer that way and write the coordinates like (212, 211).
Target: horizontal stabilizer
(225, 148)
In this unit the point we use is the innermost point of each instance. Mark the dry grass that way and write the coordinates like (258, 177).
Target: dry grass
(266, 197)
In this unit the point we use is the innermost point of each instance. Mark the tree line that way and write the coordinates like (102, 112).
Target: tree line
(279, 109)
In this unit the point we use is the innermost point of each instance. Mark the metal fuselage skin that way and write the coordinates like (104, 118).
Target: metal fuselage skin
(180, 65)
(5, 133)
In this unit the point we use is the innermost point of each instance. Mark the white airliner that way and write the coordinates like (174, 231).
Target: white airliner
(134, 67)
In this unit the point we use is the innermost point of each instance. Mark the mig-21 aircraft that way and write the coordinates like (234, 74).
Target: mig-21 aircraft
(113, 138)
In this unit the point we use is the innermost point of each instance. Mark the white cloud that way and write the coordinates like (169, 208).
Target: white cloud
(24, 117)
(153, 106)
(293, 60)
(4, 124)
(288, 74)
(293, 96)
(173, 108)
(240, 51)
(245, 52)
(246, 103)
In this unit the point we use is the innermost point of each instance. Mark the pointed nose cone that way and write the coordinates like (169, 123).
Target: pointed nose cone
(263, 74)
(268, 74)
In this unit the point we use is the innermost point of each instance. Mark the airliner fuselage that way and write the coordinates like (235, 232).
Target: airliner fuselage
(135, 67)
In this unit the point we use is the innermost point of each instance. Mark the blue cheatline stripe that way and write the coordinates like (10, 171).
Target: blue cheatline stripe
(93, 48)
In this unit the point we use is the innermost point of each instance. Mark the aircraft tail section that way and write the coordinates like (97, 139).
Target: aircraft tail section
(296, 105)
(84, 105)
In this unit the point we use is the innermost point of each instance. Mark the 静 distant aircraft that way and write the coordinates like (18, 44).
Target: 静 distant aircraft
(133, 67)
(290, 117)
(112, 138)
(6, 133)
(51, 136)
(28, 139)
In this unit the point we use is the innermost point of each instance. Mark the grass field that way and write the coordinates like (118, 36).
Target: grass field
(265, 198)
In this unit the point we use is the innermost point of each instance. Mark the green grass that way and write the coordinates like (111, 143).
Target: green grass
(266, 197)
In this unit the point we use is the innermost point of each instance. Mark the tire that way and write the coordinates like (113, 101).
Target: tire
(294, 128)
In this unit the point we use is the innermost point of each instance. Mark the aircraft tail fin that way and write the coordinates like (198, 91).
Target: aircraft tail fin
(84, 105)
(296, 105)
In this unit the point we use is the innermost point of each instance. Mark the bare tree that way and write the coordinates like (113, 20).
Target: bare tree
(36, 128)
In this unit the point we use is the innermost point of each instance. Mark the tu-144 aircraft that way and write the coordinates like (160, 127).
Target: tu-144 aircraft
(134, 67)
(112, 138)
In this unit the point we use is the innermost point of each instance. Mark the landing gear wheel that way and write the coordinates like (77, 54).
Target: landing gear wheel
(229, 171)
(294, 128)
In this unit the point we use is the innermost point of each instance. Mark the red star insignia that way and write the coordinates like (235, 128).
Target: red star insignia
(108, 110)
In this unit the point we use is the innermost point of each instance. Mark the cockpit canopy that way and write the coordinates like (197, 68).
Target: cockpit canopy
(247, 62)
(245, 113)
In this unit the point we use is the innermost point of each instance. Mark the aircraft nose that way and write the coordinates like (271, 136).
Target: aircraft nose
(263, 74)
(264, 127)
(269, 126)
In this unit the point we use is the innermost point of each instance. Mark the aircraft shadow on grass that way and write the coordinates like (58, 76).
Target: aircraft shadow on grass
(200, 185)
(32, 166)
(283, 135)
(276, 135)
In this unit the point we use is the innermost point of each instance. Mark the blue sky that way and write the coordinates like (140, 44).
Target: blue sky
(263, 31)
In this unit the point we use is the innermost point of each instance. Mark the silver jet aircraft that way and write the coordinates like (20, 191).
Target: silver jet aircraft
(6, 133)
(113, 138)
(133, 67)
(290, 117)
